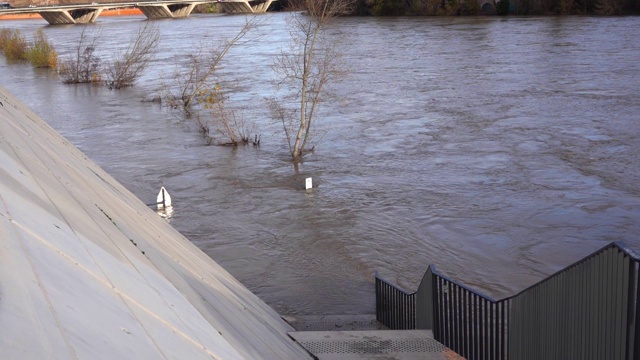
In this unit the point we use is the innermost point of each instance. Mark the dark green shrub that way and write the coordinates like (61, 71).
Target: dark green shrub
(387, 7)
(502, 7)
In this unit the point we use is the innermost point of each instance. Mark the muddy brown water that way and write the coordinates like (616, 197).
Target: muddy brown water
(498, 149)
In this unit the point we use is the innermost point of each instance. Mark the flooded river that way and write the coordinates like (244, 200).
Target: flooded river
(498, 149)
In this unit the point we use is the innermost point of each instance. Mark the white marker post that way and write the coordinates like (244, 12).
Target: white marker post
(163, 200)
(308, 184)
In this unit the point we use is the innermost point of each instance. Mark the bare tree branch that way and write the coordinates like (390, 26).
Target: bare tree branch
(130, 64)
(85, 66)
(197, 77)
(310, 62)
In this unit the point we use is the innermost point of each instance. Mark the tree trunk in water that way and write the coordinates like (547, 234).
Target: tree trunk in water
(297, 149)
(307, 54)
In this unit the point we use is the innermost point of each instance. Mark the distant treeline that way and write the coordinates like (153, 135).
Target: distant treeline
(486, 7)
(438, 7)
(515, 7)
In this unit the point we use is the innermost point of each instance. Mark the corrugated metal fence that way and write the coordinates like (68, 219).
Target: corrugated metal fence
(588, 310)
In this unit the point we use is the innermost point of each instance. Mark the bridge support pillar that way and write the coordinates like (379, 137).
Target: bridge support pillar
(84, 16)
(246, 6)
(77, 16)
(163, 11)
(180, 10)
(262, 6)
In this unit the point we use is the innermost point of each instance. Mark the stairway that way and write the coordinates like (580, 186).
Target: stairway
(362, 337)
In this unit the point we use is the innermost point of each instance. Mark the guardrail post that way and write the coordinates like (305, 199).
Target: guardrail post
(424, 301)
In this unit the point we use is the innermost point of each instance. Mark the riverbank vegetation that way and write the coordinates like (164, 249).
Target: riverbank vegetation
(504, 7)
(15, 47)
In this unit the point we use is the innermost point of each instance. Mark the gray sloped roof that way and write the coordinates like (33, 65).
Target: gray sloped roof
(88, 271)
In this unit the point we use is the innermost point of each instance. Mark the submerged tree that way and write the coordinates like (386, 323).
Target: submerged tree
(224, 125)
(130, 64)
(196, 76)
(196, 92)
(83, 66)
(306, 67)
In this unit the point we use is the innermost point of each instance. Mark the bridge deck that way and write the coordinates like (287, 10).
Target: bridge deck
(158, 9)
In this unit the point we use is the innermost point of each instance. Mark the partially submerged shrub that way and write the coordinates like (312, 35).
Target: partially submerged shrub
(42, 54)
(228, 127)
(15, 45)
(84, 69)
(198, 72)
(84, 66)
(4, 36)
(129, 65)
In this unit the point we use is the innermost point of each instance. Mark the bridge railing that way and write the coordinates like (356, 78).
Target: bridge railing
(588, 310)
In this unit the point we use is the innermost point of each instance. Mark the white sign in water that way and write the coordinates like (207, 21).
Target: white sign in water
(164, 199)
(308, 183)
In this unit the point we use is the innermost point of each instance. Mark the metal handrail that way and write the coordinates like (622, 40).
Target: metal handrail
(536, 322)
(395, 307)
(618, 244)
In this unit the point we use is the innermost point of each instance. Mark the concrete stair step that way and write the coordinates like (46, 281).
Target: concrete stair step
(373, 344)
(334, 322)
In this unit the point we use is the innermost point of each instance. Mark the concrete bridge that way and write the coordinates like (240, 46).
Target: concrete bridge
(161, 9)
